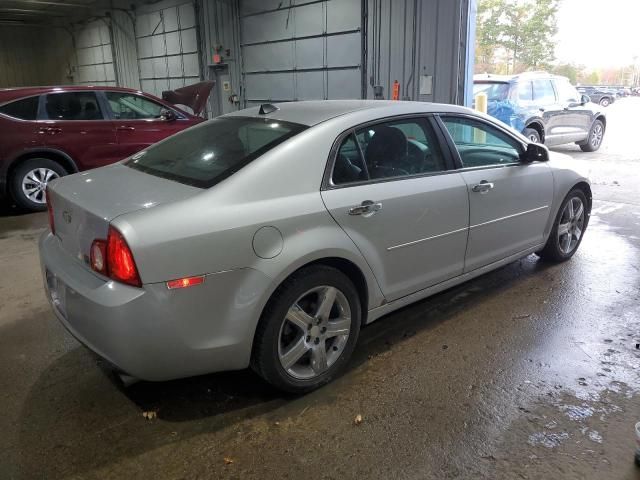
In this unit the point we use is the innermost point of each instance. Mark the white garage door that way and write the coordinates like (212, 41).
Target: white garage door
(168, 48)
(94, 55)
(300, 50)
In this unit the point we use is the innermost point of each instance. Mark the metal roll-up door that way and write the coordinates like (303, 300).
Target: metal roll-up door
(167, 42)
(300, 50)
(94, 53)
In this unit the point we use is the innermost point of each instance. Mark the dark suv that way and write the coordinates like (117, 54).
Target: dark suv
(48, 132)
(597, 95)
(545, 108)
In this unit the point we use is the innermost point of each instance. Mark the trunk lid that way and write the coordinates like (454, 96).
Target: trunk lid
(85, 203)
(193, 96)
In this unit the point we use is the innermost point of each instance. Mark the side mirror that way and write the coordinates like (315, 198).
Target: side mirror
(167, 115)
(585, 99)
(535, 153)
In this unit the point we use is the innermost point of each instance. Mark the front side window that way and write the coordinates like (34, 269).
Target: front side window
(73, 106)
(206, 154)
(386, 150)
(543, 93)
(24, 109)
(128, 106)
(481, 144)
(567, 92)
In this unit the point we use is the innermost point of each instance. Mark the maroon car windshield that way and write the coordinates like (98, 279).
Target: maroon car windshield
(206, 154)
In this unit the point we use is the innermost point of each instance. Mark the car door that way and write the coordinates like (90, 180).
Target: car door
(398, 198)
(74, 123)
(576, 117)
(546, 101)
(140, 121)
(509, 201)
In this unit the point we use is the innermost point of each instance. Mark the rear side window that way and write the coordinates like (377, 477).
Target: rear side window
(73, 106)
(495, 91)
(543, 93)
(24, 109)
(206, 154)
(398, 148)
(525, 92)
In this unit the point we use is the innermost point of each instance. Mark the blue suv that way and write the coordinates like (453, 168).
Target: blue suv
(545, 108)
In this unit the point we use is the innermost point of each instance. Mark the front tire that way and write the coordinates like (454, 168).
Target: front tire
(605, 102)
(29, 181)
(308, 330)
(595, 138)
(568, 228)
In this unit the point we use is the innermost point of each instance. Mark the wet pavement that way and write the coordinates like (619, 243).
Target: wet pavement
(530, 371)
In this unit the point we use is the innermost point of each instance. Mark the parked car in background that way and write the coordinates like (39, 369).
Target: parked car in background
(270, 236)
(49, 132)
(597, 95)
(544, 108)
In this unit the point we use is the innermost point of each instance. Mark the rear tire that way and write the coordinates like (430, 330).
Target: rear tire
(532, 134)
(568, 228)
(29, 180)
(302, 355)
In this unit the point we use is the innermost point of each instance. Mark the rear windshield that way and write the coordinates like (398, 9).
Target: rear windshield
(496, 92)
(208, 153)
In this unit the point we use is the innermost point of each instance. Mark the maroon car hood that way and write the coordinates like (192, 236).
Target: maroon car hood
(194, 96)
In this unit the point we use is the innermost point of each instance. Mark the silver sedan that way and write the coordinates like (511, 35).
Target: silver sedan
(270, 236)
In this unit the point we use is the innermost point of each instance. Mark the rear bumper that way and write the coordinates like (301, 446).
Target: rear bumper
(153, 333)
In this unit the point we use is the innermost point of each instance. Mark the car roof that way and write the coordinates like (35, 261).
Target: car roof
(312, 112)
(8, 94)
(489, 77)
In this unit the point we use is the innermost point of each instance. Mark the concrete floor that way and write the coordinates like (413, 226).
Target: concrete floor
(528, 372)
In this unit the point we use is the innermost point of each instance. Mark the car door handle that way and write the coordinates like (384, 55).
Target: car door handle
(366, 208)
(50, 130)
(125, 127)
(482, 187)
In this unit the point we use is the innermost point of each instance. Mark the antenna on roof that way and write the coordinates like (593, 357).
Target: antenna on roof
(266, 108)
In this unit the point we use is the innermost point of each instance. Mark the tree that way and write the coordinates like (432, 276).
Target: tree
(520, 30)
(569, 70)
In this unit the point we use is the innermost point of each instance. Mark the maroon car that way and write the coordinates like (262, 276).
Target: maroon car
(47, 132)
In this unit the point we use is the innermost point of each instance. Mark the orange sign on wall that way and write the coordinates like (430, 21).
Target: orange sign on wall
(395, 95)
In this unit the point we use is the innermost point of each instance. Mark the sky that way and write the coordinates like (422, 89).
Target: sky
(598, 33)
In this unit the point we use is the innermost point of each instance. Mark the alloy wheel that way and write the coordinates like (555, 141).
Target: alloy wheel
(571, 225)
(314, 332)
(34, 184)
(596, 135)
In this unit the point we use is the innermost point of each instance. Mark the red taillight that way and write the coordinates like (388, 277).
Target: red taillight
(113, 258)
(185, 282)
(52, 225)
(120, 263)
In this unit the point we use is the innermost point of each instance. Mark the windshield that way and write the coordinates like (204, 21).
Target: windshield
(496, 92)
(206, 154)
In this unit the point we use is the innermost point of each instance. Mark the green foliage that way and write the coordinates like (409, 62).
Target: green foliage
(520, 31)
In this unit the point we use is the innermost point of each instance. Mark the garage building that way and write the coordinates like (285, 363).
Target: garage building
(255, 50)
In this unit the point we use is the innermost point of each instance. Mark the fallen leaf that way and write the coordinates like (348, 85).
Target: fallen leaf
(228, 460)
(357, 420)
